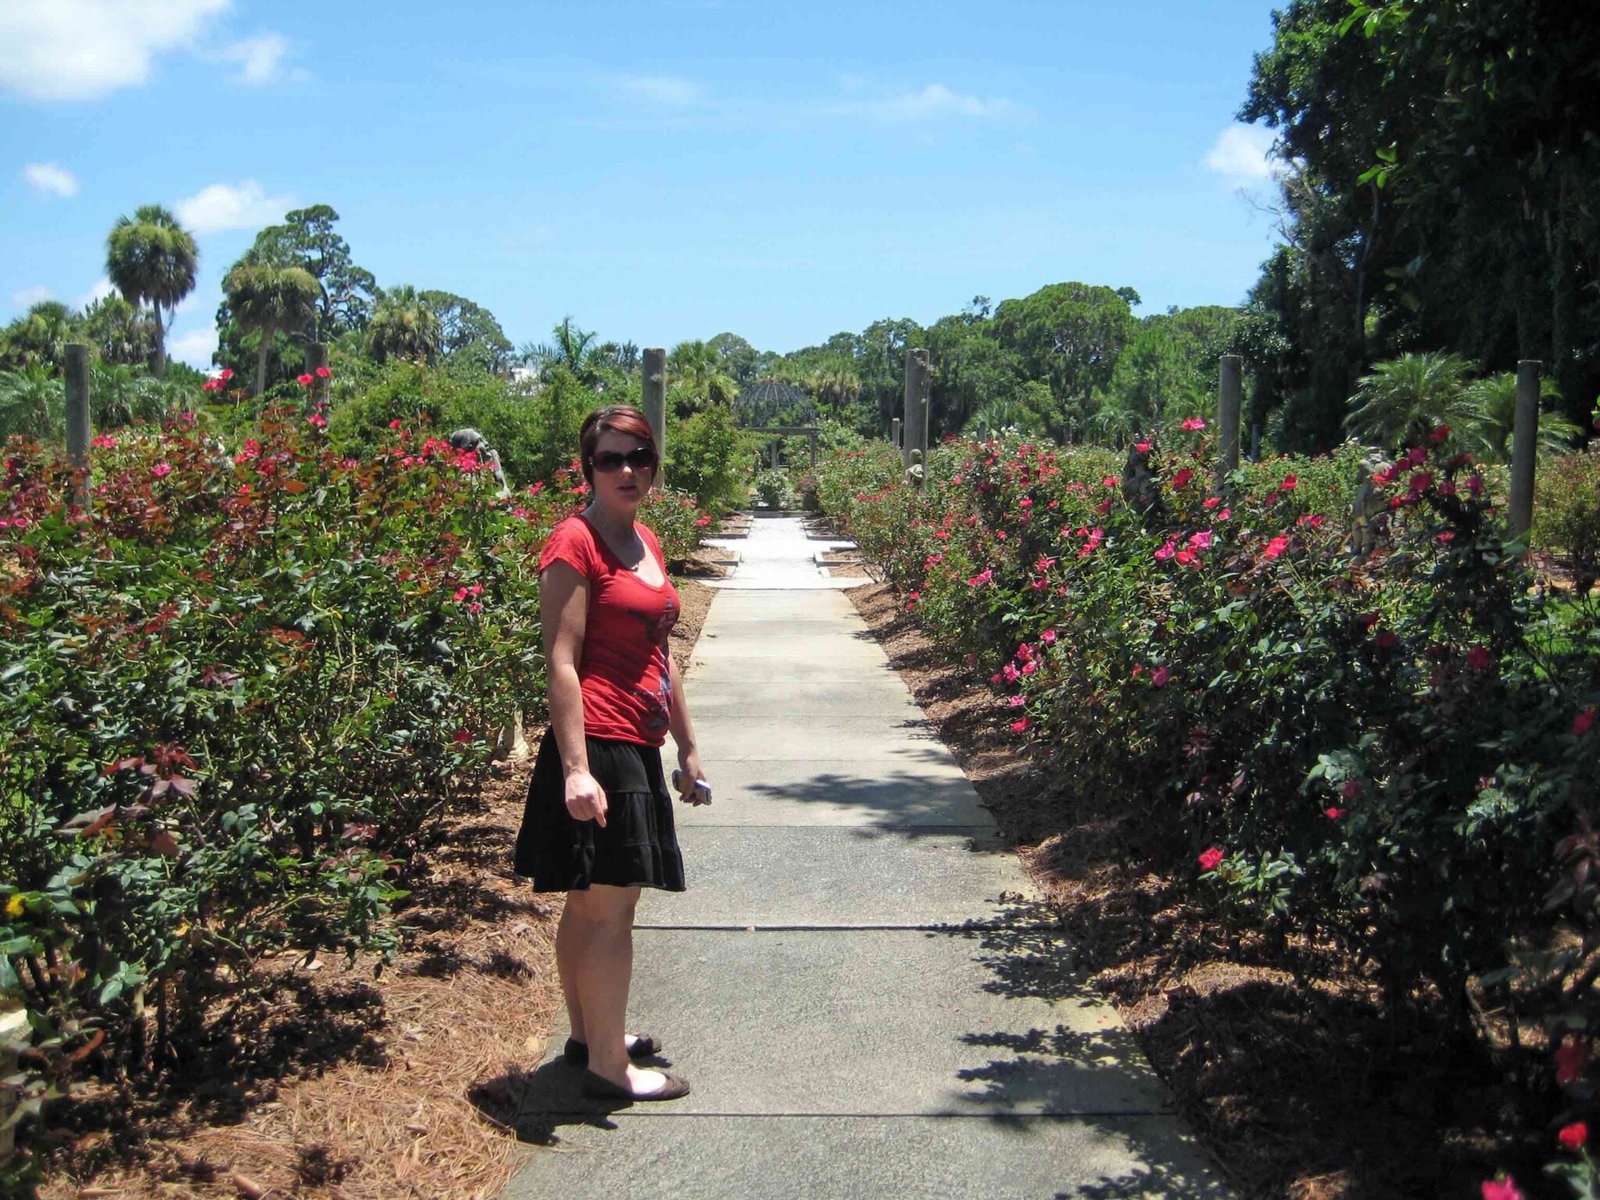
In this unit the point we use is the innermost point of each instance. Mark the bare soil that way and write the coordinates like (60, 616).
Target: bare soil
(343, 1082)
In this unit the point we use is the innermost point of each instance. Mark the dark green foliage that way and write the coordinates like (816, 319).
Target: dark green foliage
(709, 459)
(1387, 752)
(1442, 196)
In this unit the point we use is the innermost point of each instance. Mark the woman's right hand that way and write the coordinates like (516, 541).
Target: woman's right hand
(586, 799)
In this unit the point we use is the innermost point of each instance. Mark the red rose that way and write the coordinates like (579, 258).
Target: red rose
(1571, 1059)
(1210, 859)
(1574, 1136)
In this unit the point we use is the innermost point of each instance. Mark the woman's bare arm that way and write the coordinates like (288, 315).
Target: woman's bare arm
(563, 614)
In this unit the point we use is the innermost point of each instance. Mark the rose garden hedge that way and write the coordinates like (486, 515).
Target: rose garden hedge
(233, 692)
(1394, 753)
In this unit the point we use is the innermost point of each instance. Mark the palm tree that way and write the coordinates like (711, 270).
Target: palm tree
(151, 258)
(1403, 399)
(1489, 413)
(33, 402)
(1118, 421)
(121, 395)
(121, 332)
(38, 337)
(266, 298)
(404, 326)
(999, 415)
(695, 373)
(572, 349)
(835, 387)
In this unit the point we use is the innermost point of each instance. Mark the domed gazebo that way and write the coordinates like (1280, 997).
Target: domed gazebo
(769, 401)
(762, 405)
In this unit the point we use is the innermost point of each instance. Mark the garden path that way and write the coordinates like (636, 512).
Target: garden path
(858, 983)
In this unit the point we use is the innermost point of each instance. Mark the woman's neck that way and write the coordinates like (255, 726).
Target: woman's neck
(617, 526)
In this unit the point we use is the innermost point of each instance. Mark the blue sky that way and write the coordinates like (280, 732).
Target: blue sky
(660, 171)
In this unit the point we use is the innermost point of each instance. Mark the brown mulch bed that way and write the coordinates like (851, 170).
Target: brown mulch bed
(344, 1083)
(1281, 1057)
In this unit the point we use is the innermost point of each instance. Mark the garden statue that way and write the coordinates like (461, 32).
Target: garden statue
(1138, 481)
(1369, 510)
(471, 440)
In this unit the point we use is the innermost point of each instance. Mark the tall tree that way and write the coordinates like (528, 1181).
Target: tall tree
(152, 259)
(468, 333)
(1067, 335)
(120, 332)
(37, 338)
(404, 326)
(739, 357)
(307, 239)
(880, 365)
(1443, 191)
(266, 298)
(570, 349)
(696, 378)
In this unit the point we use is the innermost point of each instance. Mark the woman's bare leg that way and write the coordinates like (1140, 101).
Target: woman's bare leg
(596, 967)
(570, 936)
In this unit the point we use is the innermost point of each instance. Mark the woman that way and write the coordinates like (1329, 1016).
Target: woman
(598, 823)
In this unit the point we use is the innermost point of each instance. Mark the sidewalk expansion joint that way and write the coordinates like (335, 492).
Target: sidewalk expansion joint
(1087, 1114)
(923, 927)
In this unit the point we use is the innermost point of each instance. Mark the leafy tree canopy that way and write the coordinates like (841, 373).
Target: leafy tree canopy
(468, 334)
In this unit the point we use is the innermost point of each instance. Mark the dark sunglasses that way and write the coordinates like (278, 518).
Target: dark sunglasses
(607, 461)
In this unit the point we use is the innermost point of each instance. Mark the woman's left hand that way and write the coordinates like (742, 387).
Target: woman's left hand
(689, 764)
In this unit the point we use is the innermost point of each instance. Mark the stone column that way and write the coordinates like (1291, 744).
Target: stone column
(1524, 447)
(76, 369)
(1229, 397)
(655, 403)
(916, 404)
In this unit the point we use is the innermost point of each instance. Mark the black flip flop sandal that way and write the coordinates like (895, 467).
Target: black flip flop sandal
(644, 1046)
(601, 1088)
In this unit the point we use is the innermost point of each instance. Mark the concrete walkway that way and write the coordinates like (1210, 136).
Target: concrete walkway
(856, 982)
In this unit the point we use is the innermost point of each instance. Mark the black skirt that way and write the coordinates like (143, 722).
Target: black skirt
(638, 845)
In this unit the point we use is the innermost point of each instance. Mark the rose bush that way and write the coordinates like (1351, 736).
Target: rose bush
(1384, 751)
(233, 691)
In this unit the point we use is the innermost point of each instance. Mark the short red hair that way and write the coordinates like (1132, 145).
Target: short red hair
(618, 418)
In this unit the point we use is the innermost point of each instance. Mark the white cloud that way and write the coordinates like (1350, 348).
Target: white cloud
(261, 58)
(28, 297)
(936, 101)
(666, 90)
(194, 348)
(1240, 154)
(80, 49)
(223, 206)
(99, 291)
(51, 178)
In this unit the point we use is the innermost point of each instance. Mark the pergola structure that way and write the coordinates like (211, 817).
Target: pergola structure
(806, 431)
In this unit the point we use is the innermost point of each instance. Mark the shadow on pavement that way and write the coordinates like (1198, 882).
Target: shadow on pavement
(533, 1105)
(1026, 956)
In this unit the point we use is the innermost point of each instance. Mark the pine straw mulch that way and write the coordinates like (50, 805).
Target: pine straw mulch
(341, 1083)
(1281, 1057)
